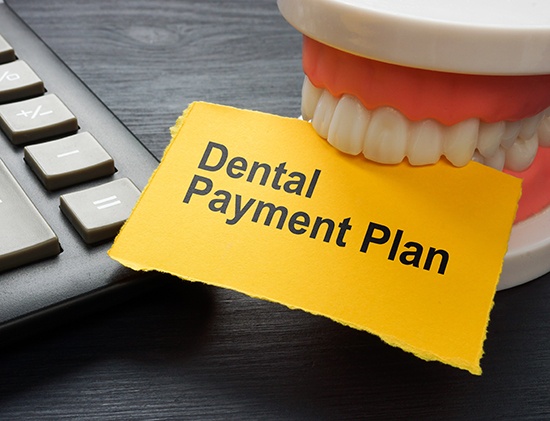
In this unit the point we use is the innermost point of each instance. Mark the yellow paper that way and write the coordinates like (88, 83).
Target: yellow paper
(262, 205)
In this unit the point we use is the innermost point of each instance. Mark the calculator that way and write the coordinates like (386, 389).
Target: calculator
(70, 174)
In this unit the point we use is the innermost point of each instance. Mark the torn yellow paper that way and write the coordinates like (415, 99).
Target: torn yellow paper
(262, 205)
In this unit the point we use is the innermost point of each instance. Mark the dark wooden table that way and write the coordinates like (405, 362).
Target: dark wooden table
(189, 351)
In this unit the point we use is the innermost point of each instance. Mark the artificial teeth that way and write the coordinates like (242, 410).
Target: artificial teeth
(530, 125)
(495, 161)
(310, 98)
(521, 154)
(425, 143)
(348, 126)
(544, 130)
(385, 135)
(489, 137)
(460, 141)
(323, 113)
(510, 134)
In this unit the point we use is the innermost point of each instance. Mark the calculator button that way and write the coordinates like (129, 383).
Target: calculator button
(24, 234)
(99, 212)
(18, 81)
(36, 119)
(6, 51)
(68, 161)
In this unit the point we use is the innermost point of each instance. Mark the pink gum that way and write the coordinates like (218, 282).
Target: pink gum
(420, 94)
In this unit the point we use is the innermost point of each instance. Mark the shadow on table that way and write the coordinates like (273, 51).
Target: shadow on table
(215, 352)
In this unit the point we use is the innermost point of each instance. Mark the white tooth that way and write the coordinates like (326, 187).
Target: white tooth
(489, 137)
(477, 157)
(323, 113)
(544, 132)
(386, 137)
(521, 154)
(460, 141)
(348, 126)
(510, 134)
(530, 125)
(425, 142)
(496, 161)
(310, 97)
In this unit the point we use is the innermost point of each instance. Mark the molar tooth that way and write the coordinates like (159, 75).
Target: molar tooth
(529, 126)
(310, 98)
(497, 160)
(510, 134)
(460, 141)
(521, 154)
(544, 131)
(425, 142)
(386, 136)
(348, 126)
(489, 137)
(323, 113)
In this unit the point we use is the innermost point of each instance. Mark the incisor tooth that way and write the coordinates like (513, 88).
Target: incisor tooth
(521, 154)
(323, 113)
(425, 142)
(489, 137)
(386, 136)
(544, 132)
(459, 142)
(348, 126)
(310, 97)
(529, 126)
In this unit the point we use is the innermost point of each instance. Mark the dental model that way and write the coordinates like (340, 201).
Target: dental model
(437, 79)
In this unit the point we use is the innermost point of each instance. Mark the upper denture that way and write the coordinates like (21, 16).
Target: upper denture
(420, 94)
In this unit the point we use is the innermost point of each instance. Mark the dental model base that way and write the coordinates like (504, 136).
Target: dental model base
(438, 80)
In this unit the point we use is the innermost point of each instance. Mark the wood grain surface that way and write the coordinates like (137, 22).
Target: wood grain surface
(189, 351)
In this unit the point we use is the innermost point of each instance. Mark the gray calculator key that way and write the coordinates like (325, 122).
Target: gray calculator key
(6, 51)
(99, 212)
(25, 236)
(68, 161)
(18, 81)
(35, 119)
